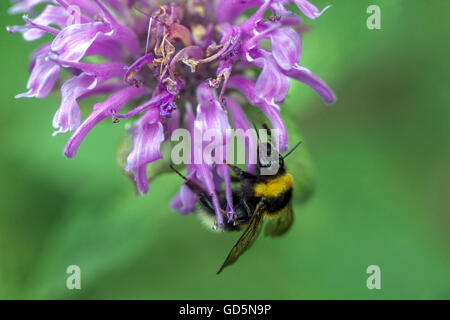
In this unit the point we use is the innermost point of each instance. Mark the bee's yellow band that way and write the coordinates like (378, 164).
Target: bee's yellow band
(273, 188)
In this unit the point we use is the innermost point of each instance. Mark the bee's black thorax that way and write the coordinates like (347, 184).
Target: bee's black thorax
(275, 190)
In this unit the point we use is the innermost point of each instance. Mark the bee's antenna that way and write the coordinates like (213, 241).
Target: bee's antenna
(265, 126)
(269, 132)
(178, 172)
(191, 184)
(292, 150)
(256, 130)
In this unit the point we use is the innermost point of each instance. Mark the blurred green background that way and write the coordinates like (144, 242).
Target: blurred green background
(381, 157)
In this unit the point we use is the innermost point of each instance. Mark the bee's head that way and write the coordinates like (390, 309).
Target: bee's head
(270, 161)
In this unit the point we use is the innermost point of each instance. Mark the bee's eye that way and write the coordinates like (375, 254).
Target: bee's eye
(281, 161)
(264, 162)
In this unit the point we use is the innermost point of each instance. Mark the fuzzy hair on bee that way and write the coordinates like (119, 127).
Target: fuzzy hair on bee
(257, 199)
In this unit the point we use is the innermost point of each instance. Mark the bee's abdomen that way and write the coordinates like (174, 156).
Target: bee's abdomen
(277, 192)
(276, 204)
(242, 208)
(273, 188)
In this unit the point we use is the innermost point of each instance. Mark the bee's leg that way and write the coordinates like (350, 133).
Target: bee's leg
(239, 172)
(191, 184)
(247, 208)
(266, 127)
(235, 179)
(203, 196)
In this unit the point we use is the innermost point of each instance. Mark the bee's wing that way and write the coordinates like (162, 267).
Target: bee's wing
(278, 225)
(247, 238)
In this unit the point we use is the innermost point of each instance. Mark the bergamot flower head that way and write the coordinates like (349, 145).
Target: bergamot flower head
(166, 64)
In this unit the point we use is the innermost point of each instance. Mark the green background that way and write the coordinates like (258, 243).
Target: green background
(381, 160)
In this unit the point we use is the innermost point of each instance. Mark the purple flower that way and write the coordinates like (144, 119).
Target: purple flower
(286, 47)
(309, 9)
(166, 65)
(43, 75)
(147, 137)
(229, 10)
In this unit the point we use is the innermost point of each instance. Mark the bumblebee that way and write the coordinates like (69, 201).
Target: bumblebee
(258, 198)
